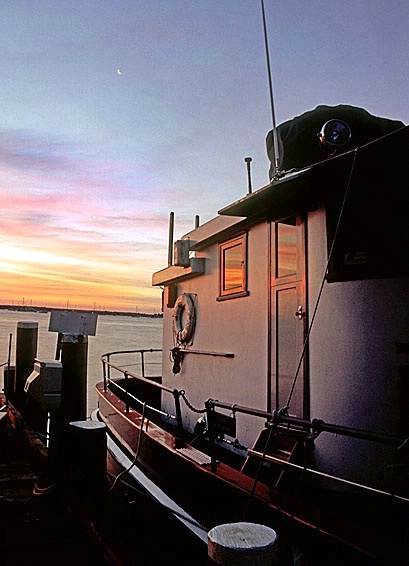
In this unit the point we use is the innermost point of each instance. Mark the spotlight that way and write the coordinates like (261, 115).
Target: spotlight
(334, 134)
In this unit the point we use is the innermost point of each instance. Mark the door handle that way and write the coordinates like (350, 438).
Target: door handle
(300, 313)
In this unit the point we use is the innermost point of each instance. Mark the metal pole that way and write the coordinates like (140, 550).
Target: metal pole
(126, 375)
(143, 363)
(248, 160)
(170, 246)
(9, 381)
(176, 395)
(270, 83)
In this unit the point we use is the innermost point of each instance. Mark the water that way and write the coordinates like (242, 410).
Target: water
(114, 332)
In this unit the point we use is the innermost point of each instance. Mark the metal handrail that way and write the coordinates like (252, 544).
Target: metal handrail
(316, 426)
(311, 428)
(108, 366)
(154, 409)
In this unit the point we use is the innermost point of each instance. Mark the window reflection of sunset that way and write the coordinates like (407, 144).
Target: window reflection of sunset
(233, 277)
(233, 260)
(287, 246)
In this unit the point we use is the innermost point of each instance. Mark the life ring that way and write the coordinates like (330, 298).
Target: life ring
(184, 304)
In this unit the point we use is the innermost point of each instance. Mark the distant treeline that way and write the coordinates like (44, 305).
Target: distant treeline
(102, 312)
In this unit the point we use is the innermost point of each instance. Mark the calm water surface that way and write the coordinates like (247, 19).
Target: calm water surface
(113, 333)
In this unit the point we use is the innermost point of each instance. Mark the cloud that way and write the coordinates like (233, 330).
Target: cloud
(75, 222)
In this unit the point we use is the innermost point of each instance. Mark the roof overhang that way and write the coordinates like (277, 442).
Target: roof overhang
(277, 199)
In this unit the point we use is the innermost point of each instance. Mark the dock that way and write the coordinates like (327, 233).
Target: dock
(125, 528)
(36, 529)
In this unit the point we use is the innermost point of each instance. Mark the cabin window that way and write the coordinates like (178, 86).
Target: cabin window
(286, 246)
(233, 268)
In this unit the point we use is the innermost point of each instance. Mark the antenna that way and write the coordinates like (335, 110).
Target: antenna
(270, 83)
(248, 160)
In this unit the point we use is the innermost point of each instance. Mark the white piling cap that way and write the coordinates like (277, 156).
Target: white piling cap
(242, 544)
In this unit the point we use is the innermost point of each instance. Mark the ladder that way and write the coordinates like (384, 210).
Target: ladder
(282, 446)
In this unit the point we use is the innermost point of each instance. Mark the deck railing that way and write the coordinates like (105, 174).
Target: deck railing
(310, 429)
(145, 375)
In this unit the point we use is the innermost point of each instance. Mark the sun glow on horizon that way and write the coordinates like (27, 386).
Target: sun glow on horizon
(44, 278)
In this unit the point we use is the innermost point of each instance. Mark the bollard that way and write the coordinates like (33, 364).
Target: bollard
(242, 544)
(26, 351)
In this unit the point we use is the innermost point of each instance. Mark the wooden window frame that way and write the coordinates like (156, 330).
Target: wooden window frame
(240, 290)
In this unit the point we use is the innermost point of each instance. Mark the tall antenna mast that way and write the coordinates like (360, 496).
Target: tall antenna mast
(270, 83)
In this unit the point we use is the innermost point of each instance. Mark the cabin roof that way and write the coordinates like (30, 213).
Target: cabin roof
(279, 196)
(305, 187)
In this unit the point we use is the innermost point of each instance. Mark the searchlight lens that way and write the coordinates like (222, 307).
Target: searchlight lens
(335, 133)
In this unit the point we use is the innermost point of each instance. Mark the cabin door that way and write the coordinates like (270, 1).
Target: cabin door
(288, 317)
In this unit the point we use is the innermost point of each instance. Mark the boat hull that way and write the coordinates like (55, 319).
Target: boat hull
(225, 495)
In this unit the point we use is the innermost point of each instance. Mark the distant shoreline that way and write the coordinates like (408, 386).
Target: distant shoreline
(23, 308)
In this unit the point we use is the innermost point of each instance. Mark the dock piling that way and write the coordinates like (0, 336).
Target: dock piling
(242, 544)
(26, 351)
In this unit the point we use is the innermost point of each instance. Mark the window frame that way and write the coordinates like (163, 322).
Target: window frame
(240, 290)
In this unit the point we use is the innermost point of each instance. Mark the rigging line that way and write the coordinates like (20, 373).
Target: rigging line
(323, 279)
(257, 475)
(124, 472)
(270, 84)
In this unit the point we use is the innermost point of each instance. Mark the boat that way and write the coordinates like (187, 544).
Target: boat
(280, 395)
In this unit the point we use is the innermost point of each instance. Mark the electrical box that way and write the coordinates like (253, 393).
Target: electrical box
(44, 384)
(181, 253)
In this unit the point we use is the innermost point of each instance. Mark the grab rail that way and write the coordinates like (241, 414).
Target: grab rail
(108, 366)
(315, 426)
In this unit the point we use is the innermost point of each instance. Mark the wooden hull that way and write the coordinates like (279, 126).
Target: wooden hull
(226, 495)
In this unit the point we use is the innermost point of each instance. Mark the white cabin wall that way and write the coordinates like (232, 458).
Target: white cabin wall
(354, 375)
(237, 326)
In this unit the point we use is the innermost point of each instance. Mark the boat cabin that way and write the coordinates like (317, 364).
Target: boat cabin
(294, 298)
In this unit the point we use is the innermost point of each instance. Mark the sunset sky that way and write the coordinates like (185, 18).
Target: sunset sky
(114, 113)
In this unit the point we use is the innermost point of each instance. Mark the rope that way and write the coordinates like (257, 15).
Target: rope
(136, 453)
(176, 356)
(322, 282)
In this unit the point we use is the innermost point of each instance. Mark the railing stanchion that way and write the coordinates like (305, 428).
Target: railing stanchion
(109, 366)
(176, 395)
(143, 363)
(210, 431)
(126, 389)
(104, 370)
